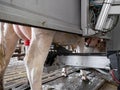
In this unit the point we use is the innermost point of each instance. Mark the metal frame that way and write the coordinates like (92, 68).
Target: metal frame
(107, 9)
(114, 10)
(87, 31)
(64, 16)
(85, 61)
(84, 15)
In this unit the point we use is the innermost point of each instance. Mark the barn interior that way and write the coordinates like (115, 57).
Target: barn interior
(94, 65)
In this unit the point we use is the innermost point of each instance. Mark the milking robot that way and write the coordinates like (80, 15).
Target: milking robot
(89, 18)
(99, 18)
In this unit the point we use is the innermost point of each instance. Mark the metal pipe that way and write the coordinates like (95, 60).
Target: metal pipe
(99, 2)
(103, 15)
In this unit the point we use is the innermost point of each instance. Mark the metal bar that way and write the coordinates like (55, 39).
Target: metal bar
(85, 61)
(114, 10)
(84, 14)
(116, 2)
(100, 2)
(103, 15)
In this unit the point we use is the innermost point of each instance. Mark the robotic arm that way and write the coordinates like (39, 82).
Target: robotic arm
(110, 7)
(100, 17)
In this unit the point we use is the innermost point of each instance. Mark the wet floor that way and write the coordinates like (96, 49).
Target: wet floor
(74, 82)
(16, 73)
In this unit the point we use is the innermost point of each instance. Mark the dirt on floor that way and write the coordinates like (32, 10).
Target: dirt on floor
(108, 86)
(16, 73)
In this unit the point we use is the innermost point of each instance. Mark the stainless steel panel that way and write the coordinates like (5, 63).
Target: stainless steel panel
(85, 61)
(63, 15)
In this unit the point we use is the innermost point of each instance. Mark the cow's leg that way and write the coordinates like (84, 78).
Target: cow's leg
(26, 31)
(36, 56)
(8, 49)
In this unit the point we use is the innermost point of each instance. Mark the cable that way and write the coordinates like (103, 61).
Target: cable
(114, 77)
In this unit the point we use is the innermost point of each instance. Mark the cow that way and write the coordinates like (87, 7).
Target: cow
(8, 41)
(40, 41)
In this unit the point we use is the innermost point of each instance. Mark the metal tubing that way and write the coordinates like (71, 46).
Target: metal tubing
(103, 15)
(100, 2)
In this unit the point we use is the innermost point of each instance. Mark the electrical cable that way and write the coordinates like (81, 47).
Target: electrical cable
(114, 77)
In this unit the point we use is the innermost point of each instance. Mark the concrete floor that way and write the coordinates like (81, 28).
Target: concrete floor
(72, 82)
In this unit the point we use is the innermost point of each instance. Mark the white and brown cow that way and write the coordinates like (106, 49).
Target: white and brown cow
(40, 41)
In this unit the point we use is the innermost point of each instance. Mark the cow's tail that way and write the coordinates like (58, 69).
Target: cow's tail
(2, 46)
